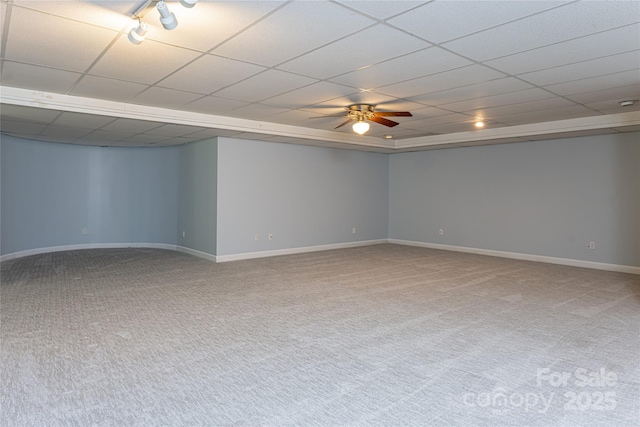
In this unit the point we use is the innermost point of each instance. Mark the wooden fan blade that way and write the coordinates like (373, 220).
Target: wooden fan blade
(329, 116)
(385, 122)
(343, 123)
(394, 114)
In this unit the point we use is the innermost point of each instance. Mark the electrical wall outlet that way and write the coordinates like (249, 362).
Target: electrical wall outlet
(270, 236)
(257, 237)
(85, 231)
(592, 245)
(183, 234)
(353, 230)
(441, 232)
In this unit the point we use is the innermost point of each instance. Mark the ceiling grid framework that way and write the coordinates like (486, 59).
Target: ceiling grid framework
(261, 69)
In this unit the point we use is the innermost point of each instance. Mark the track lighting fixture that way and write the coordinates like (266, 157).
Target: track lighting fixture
(167, 18)
(360, 127)
(188, 3)
(136, 35)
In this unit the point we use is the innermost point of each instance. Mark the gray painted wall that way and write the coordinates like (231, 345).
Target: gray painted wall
(197, 211)
(50, 192)
(305, 196)
(546, 198)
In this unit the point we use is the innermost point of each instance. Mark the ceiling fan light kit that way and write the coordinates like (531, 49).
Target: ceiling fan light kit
(360, 127)
(362, 113)
(167, 18)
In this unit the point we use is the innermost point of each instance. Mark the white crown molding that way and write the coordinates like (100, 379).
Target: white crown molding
(60, 102)
(303, 135)
(523, 132)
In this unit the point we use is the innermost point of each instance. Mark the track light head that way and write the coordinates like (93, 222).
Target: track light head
(188, 3)
(136, 35)
(167, 18)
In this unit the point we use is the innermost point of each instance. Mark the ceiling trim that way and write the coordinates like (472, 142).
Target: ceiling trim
(519, 133)
(60, 102)
(609, 121)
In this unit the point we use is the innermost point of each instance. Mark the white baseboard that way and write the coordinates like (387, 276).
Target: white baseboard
(194, 252)
(525, 257)
(37, 251)
(293, 251)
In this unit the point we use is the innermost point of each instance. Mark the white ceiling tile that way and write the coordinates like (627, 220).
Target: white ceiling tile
(130, 126)
(165, 98)
(104, 88)
(595, 67)
(617, 109)
(210, 73)
(564, 23)
(86, 121)
(521, 107)
(590, 132)
(439, 120)
(3, 13)
(208, 23)
(499, 100)
(613, 95)
(33, 77)
(298, 118)
(417, 64)
(592, 46)
(56, 42)
(490, 88)
(291, 31)
(145, 63)
(356, 51)
(66, 132)
(441, 81)
(32, 114)
(212, 133)
(145, 138)
(21, 127)
(608, 81)
(371, 98)
(312, 94)
(382, 9)
(255, 111)
(265, 85)
(467, 126)
(108, 135)
(428, 112)
(108, 14)
(552, 114)
(173, 130)
(440, 21)
(213, 105)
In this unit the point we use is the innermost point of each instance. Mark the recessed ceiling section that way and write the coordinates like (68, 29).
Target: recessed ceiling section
(263, 68)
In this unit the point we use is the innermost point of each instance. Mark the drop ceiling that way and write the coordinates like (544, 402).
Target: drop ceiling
(261, 69)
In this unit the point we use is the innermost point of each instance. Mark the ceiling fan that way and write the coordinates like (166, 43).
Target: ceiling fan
(362, 113)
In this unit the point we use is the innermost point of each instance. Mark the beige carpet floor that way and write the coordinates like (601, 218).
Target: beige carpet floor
(376, 336)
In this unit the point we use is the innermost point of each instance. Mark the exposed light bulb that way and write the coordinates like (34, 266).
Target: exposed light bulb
(628, 103)
(167, 18)
(360, 127)
(479, 124)
(137, 34)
